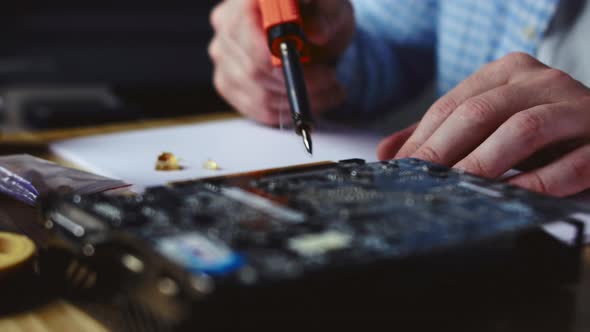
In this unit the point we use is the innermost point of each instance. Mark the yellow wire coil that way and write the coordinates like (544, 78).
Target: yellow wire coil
(15, 250)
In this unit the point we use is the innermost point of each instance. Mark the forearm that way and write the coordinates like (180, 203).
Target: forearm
(377, 76)
(391, 57)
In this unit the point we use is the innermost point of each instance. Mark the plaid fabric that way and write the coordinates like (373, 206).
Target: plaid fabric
(401, 45)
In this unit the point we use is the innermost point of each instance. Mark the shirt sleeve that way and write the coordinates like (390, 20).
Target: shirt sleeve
(392, 56)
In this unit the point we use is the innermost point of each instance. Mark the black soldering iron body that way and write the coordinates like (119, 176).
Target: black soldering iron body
(297, 91)
(287, 40)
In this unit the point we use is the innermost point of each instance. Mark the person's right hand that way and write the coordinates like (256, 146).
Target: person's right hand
(243, 73)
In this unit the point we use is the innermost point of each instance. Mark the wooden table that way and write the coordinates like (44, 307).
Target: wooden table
(60, 315)
(56, 316)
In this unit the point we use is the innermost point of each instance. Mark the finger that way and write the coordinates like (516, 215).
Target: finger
(231, 59)
(267, 116)
(478, 117)
(526, 133)
(550, 153)
(567, 176)
(252, 100)
(269, 91)
(241, 39)
(389, 146)
(253, 37)
(251, 69)
(236, 20)
(493, 75)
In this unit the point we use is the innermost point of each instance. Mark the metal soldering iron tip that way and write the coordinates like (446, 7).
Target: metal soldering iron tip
(306, 140)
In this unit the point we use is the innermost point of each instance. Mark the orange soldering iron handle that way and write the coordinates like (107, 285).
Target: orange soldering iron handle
(276, 12)
(281, 20)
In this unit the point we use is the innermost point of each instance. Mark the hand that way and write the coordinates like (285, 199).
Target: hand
(243, 72)
(513, 113)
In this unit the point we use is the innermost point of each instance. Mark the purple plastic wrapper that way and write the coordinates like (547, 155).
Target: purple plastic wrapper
(17, 187)
(25, 178)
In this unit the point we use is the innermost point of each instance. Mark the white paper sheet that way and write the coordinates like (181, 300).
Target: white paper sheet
(237, 145)
(567, 232)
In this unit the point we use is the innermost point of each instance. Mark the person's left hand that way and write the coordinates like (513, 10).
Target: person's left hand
(514, 113)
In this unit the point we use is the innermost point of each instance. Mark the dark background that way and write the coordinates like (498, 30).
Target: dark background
(153, 55)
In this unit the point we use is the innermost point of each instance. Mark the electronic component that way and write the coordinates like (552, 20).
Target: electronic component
(282, 240)
(167, 162)
(211, 165)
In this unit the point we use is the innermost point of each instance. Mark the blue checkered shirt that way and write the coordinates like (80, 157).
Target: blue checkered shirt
(402, 45)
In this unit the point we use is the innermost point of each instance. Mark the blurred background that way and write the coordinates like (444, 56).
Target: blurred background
(73, 63)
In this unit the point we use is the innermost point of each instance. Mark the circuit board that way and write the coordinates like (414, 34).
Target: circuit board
(265, 228)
